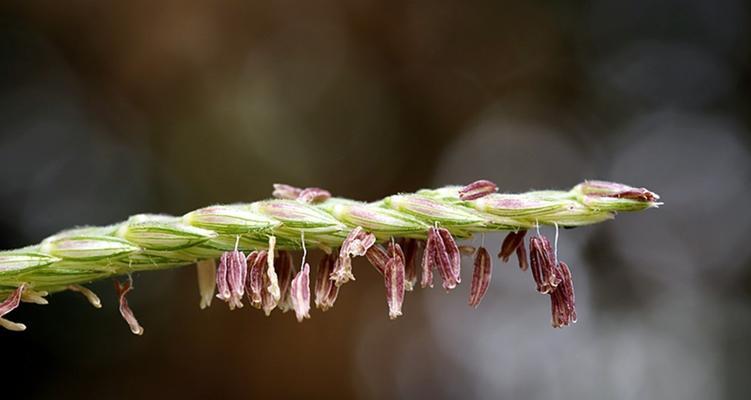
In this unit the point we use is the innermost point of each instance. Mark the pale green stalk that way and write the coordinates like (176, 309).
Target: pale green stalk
(153, 242)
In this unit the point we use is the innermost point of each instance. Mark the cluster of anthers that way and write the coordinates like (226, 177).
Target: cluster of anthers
(268, 279)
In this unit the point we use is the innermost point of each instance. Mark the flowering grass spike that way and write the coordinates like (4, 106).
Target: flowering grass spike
(244, 251)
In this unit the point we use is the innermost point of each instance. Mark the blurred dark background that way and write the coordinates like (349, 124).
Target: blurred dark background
(113, 108)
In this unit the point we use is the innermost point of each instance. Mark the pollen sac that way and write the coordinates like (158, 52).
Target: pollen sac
(285, 272)
(428, 262)
(377, 257)
(125, 311)
(261, 284)
(92, 298)
(35, 297)
(521, 255)
(481, 276)
(455, 256)
(543, 265)
(313, 195)
(356, 244)
(411, 249)
(395, 250)
(271, 281)
(325, 289)
(206, 271)
(282, 191)
(10, 304)
(256, 264)
(477, 189)
(300, 293)
(512, 242)
(562, 299)
(230, 278)
(441, 252)
(549, 274)
(445, 256)
(394, 280)
(222, 286)
(269, 300)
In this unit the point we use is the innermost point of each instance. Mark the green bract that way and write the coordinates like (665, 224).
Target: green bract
(379, 220)
(157, 232)
(433, 210)
(88, 247)
(233, 219)
(13, 261)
